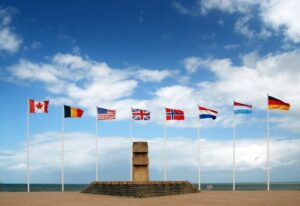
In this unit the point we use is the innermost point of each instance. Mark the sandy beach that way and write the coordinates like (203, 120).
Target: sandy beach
(284, 198)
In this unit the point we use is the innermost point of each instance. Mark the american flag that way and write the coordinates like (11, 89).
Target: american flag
(105, 114)
(140, 114)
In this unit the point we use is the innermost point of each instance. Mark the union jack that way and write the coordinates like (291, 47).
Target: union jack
(140, 114)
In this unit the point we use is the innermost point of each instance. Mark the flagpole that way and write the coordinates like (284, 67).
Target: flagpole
(199, 171)
(233, 153)
(62, 150)
(27, 146)
(268, 148)
(131, 155)
(97, 155)
(165, 152)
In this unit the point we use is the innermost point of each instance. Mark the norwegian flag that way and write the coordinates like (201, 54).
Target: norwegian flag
(174, 114)
(140, 114)
(38, 106)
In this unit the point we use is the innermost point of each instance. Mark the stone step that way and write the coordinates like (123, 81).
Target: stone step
(140, 189)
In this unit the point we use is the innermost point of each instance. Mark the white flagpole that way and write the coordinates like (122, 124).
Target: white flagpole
(165, 152)
(131, 148)
(27, 146)
(268, 148)
(199, 171)
(233, 158)
(97, 155)
(62, 150)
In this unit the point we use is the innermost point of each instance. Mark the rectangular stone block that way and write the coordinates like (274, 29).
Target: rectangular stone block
(140, 161)
(140, 147)
(140, 173)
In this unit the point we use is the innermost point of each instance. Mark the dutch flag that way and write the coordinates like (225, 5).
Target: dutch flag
(240, 108)
(207, 113)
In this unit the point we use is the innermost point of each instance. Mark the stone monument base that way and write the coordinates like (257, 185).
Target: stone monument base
(140, 188)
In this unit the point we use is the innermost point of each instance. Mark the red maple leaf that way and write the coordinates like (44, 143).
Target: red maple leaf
(39, 105)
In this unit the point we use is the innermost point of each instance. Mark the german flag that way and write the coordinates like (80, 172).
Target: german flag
(274, 103)
(72, 112)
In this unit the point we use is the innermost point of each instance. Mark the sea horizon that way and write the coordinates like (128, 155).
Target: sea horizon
(243, 186)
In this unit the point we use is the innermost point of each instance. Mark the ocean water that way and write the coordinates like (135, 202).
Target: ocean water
(40, 187)
(250, 186)
(215, 187)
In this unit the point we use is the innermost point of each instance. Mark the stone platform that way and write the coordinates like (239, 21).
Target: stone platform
(140, 188)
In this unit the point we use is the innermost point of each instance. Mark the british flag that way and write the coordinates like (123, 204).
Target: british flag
(140, 114)
(174, 114)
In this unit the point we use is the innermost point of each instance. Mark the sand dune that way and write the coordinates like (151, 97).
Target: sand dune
(274, 198)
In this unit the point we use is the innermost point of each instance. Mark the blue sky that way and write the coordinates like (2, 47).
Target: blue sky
(151, 55)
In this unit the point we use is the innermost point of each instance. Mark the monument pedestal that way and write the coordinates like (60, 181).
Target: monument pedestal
(140, 186)
(140, 189)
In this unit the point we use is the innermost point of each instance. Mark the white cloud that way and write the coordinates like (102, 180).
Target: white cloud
(276, 74)
(276, 14)
(74, 79)
(35, 45)
(176, 97)
(257, 76)
(202, 7)
(180, 8)
(76, 50)
(283, 15)
(242, 27)
(80, 81)
(72, 61)
(250, 59)
(148, 75)
(88, 83)
(9, 41)
(45, 153)
(27, 70)
(232, 46)
(192, 64)
(228, 5)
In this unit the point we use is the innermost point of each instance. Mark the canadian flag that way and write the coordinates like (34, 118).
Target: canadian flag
(38, 106)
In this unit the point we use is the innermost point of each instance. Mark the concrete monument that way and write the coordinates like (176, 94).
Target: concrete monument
(140, 161)
(140, 186)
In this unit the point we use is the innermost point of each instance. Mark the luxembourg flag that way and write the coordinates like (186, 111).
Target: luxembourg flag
(240, 108)
(207, 113)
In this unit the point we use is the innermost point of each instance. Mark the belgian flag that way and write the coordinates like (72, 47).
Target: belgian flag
(274, 103)
(72, 111)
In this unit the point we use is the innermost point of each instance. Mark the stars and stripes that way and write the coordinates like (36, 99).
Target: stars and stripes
(140, 114)
(105, 114)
